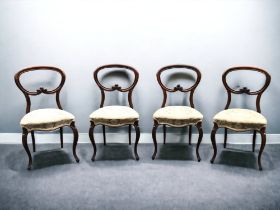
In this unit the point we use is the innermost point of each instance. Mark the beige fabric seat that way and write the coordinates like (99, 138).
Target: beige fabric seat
(46, 119)
(114, 116)
(177, 116)
(240, 119)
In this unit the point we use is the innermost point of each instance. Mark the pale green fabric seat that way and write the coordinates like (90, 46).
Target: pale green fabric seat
(46, 119)
(240, 119)
(114, 116)
(177, 116)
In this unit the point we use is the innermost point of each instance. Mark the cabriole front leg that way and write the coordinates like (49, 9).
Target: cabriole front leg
(137, 130)
(213, 140)
(154, 135)
(25, 145)
(75, 140)
(91, 137)
(200, 131)
(263, 135)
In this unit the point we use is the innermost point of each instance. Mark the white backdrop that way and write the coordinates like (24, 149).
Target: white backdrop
(79, 36)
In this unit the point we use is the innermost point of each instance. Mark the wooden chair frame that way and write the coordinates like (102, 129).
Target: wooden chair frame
(39, 91)
(116, 87)
(247, 91)
(165, 89)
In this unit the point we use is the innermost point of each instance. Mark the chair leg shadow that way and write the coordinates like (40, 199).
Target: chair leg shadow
(237, 158)
(174, 151)
(18, 160)
(114, 152)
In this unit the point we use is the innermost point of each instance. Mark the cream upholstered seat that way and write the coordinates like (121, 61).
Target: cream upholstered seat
(114, 116)
(240, 119)
(177, 116)
(46, 119)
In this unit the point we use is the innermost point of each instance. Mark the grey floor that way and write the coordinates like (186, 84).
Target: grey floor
(175, 180)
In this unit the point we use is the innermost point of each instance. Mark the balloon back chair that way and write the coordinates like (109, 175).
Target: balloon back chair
(115, 116)
(242, 119)
(178, 116)
(47, 119)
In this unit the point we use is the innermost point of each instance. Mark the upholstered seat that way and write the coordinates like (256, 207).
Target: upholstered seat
(114, 116)
(240, 119)
(46, 119)
(177, 116)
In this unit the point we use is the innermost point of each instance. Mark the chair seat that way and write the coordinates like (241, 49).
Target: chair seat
(114, 116)
(46, 119)
(240, 119)
(177, 116)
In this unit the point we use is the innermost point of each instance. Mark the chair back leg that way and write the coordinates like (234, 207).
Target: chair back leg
(61, 137)
(190, 134)
(254, 141)
(104, 134)
(129, 134)
(164, 134)
(33, 141)
(225, 138)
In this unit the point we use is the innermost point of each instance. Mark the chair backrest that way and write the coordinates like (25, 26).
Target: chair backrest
(245, 90)
(191, 89)
(40, 90)
(116, 87)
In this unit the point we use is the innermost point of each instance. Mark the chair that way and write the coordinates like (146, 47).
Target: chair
(115, 116)
(44, 119)
(178, 116)
(242, 119)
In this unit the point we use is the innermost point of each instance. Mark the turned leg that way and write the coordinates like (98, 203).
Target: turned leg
(61, 137)
(190, 135)
(75, 141)
(33, 141)
(164, 134)
(129, 134)
(137, 130)
(104, 134)
(213, 140)
(263, 135)
(91, 137)
(155, 138)
(25, 145)
(200, 131)
(254, 141)
(225, 138)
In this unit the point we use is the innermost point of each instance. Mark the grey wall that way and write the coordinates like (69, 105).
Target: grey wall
(79, 36)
